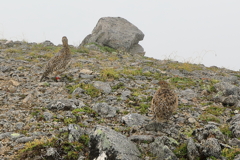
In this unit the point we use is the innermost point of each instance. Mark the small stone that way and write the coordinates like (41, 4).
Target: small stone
(47, 116)
(236, 112)
(191, 120)
(86, 71)
(105, 87)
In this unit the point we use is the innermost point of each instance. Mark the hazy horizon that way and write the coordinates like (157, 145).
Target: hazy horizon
(205, 32)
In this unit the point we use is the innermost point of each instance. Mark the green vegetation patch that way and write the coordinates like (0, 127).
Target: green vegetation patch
(225, 130)
(109, 73)
(89, 89)
(215, 110)
(230, 153)
(209, 117)
(86, 110)
(181, 151)
(143, 108)
(184, 66)
(182, 82)
(105, 48)
(65, 149)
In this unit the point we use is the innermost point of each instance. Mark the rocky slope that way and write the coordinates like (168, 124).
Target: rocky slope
(99, 108)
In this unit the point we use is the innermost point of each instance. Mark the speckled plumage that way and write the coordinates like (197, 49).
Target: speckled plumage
(60, 62)
(164, 102)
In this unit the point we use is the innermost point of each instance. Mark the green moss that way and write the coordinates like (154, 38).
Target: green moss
(225, 130)
(209, 117)
(87, 110)
(79, 50)
(143, 108)
(69, 120)
(89, 89)
(84, 139)
(109, 73)
(184, 66)
(181, 151)
(182, 82)
(215, 110)
(118, 86)
(230, 153)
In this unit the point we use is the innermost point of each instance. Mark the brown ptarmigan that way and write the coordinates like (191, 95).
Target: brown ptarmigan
(60, 62)
(164, 102)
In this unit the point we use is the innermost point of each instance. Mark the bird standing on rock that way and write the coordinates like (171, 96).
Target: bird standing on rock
(164, 102)
(60, 62)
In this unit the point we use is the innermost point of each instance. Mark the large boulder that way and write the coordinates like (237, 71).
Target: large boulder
(106, 143)
(117, 33)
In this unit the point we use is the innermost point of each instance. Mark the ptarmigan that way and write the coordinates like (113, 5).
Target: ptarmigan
(164, 102)
(60, 62)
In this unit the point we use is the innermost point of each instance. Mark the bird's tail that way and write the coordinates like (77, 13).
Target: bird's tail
(43, 76)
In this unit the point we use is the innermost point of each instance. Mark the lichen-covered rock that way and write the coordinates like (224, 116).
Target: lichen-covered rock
(107, 143)
(65, 104)
(105, 110)
(235, 126)
(161, 151)
(134, 119)
(211, 147)
(75, 132)
(192, 151)
(105, 87)
(208, 131)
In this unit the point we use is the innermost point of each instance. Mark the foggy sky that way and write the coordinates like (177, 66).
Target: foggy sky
(206, 31)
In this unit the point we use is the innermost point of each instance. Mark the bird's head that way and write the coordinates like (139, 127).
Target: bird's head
(163, 84)
(65, 41)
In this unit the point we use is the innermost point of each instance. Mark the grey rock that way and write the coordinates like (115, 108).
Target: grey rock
(237, 157)
(204, 133)
(5, 135)
(91, 46)
(19, 125)
(78, 91)
(189, 94)
(5, 69)
(109, 144)
(105, 110)
(167, 128)
(75, 132)
(125, 94)
(168, 141)
(117, 33)
(231, 79)
(105, 87)
(51, 153)
(24, 139)
(235, 125)
(227, 89)
(192, 151)
(231, 100)
(86, 76)
(47, 116)
(137, 49)
(15, 136)
(65, 104)
(142, 138)
(135, 119)
(47, 43)
(211, 147)
(161, 151)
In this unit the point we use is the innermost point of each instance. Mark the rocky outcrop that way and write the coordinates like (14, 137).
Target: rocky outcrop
(117, 33)
(99, 109)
